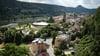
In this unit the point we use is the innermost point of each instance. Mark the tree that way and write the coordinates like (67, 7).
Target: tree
(51, 20)
(23, 50)
(57, 52)
(65, 25)
(18, 38)
(63, 45)
(9, 36)
(90, 42)
(28, 38)
(12, 50)
(13, 36)
(85, 46)
(7, 9)
(3, 29)
(64, 18)
(54, 34)
(1, 37)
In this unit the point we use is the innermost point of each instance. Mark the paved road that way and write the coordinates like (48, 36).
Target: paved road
(50, 49)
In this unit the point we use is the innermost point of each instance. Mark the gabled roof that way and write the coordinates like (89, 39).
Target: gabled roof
(38, 40)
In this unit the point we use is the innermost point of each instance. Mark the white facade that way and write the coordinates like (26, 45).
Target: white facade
(40, 23)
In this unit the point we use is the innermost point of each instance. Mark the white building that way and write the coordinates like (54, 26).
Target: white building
(40, 24)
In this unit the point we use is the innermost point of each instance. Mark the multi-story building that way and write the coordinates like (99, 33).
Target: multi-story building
(38, 47)
(60, 38)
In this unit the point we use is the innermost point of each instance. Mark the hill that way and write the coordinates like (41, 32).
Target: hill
(80, 9)
(12, 9)
(50, 10)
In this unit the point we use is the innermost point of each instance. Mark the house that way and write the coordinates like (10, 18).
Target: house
(60, 38)
(38, 46)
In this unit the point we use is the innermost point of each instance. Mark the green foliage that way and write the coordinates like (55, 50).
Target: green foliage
(48, 31)
(51, 20)
(54, 34)
(28, 38)
(57, 52)
(1, 37)
(65, 25)
(9, 36)
(54, 27)
(13, 36)
(3, 29)
(85, 46)
(63, 45)
(18, 38)
(24, 49)
(12, 50)
(90, 42)
(12, 10)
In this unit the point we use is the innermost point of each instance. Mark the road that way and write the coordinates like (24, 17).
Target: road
(50, 49)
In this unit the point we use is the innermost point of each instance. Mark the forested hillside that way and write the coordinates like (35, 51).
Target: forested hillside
(90, 43)
(12, 9)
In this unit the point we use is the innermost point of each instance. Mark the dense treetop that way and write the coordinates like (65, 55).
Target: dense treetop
(90, 42)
